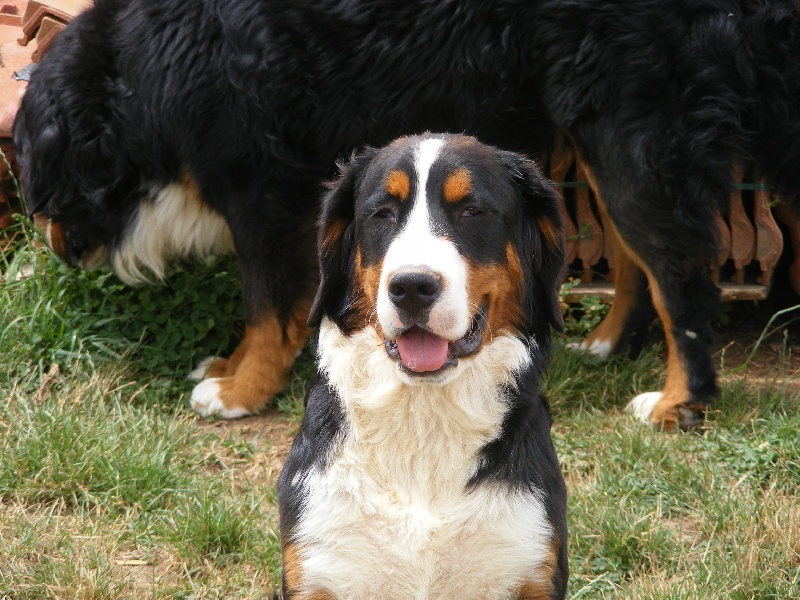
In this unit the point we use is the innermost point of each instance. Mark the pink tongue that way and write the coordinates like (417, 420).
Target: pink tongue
(422, 351)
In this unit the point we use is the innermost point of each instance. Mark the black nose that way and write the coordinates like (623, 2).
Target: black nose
(414, 291)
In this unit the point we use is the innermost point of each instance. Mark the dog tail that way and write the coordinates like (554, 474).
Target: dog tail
(64, 133)
(773, 34)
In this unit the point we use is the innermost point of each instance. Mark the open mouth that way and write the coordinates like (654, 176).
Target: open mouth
(421, 352)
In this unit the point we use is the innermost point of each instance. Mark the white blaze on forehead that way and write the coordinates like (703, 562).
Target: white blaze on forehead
(425, 156)
(418, 247)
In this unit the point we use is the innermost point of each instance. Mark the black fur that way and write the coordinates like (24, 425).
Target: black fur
(258, 98)
(544, 264)
(323, 425)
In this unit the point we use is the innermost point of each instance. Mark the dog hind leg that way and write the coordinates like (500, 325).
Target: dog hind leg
(256, 371)
(686, 305)
(685, 299)
(625, 326)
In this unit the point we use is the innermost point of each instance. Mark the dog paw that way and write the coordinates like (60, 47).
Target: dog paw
(598, 348)
(201, 371)
(689, 418)
(650, 408)
(206, 400)
(642, 406)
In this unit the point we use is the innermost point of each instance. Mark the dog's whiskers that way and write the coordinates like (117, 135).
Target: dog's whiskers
(370, 315)
(479, 314)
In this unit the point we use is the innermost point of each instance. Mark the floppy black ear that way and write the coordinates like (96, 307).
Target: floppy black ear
(335, 241)
(540, 235)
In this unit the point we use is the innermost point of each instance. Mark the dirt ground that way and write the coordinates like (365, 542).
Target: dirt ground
(778, 354)
(271, 434)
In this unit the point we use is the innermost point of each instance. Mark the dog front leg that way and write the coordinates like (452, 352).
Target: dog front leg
(279, 276)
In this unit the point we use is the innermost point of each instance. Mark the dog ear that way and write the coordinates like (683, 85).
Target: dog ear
(540, 237)
(335, 241)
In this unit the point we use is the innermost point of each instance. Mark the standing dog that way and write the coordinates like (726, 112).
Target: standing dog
(181, 127)
(424, 466)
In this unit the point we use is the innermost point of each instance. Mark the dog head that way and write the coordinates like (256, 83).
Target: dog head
(440, 243)
(70, 166)
(95, 208)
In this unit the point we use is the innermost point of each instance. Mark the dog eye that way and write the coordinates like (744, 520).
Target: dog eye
(471, 211)
(386, 213)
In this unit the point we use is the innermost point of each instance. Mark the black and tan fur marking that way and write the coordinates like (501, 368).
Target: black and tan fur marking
(398, 184)
(457, 185)
(384, 493)
(234, 385)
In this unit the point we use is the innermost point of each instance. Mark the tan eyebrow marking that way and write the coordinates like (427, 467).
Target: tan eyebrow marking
(457, 185)
(398, 184)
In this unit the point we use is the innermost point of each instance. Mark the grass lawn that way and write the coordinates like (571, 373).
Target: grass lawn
(110, 487)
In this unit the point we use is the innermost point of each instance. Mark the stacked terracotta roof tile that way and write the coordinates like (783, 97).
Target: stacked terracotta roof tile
(751, 241)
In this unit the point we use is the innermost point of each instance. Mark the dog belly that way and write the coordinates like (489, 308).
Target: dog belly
(484, 544)
(173, 222)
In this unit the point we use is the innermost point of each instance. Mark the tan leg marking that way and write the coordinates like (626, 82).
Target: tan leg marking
(609, 331)
(665, 414)
(256, 371)
(226, 367)
(293, 578)
(541, 588)
(606, 336)
(262, 361)
(219, 368)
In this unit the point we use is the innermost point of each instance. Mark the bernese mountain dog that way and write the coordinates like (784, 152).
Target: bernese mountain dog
(424, 466)
(182, 127)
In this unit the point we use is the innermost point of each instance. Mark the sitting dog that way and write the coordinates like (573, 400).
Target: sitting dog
(424, 466)
(175, 128)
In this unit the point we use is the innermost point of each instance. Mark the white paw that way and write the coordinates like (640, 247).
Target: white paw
(206, 401)
(642, 405)
(201, 370)
(601, 349)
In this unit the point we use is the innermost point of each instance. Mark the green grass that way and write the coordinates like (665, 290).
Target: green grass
(709, 514)
(111, 488)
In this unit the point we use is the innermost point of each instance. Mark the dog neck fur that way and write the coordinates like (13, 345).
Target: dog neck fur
(393, 496)
(173, 223)
(422, 438)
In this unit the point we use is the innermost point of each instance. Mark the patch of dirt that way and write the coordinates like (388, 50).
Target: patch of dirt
(270, 433)
(773, 357)
(142, 572)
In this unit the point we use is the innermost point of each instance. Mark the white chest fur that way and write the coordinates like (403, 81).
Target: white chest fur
(391, 516)
(172, 223)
